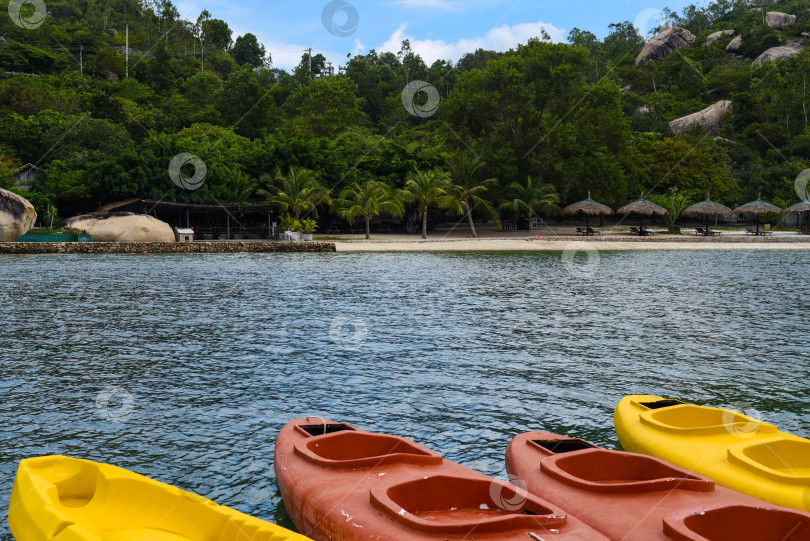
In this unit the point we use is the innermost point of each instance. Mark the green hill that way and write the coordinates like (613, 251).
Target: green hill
(581, 116)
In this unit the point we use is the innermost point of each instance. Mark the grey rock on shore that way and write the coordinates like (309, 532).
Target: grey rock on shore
(17, 216)
(121, 227)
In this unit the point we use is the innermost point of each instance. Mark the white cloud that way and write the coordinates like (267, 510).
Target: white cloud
(500, 38)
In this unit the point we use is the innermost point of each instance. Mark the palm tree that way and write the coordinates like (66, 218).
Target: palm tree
(426, 188)
(298, 192)
(468, 187)
(241, 188)
(533, 197)
(368, 200)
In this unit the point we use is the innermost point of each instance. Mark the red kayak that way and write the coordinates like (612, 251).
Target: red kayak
(632, 497)
(343, 484)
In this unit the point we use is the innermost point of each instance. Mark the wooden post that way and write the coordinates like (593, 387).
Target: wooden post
(228, 221)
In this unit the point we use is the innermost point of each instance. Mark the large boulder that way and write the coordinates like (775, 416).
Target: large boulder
(735, 45)
(710, 119)
(17, 216)
(121, 227)
(779, 53)
(775, 19)
(763, 3)
(664, 43)
(717, 36)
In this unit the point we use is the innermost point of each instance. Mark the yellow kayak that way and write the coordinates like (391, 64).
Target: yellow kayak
(67, 499)
(737, 451)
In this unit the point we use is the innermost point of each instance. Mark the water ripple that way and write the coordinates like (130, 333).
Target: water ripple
(457, 351)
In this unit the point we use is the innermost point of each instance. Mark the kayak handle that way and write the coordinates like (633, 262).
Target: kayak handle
(322, 420)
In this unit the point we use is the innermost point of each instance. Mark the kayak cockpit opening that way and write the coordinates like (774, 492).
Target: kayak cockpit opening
(321, 429)
(449, 504)
(600, 470)
(564, 446)
(658, 404)
(738, 523)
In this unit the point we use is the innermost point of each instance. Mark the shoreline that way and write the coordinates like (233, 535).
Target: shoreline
(408, 244)
(561, 244)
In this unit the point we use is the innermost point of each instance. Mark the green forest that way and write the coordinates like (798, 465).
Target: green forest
(555, 119)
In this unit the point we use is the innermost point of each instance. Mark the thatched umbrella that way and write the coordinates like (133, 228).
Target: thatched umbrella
(642, 208)
(758, 207)
(707, 208)
(589, 208)
(798, 208)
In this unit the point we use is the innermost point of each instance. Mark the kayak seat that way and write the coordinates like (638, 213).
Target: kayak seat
(320, 429)
(456, 504)
(782, 459)
(600, 470)
(350, 449)
(661, 404)
(702, 420)
(737, 523)
(75, 482)
(563, 445)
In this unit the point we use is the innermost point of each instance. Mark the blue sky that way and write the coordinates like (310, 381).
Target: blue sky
(437, 28)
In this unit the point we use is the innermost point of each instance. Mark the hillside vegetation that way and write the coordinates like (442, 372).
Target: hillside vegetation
(581, 116)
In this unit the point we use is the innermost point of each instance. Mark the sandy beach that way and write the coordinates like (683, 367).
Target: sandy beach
(491, 240)
(513, 245)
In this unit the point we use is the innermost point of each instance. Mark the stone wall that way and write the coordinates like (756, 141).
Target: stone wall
(163, 247)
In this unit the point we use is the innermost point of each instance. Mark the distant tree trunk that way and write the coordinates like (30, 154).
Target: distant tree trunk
(368, 226)
(424, 222)
(470, 218)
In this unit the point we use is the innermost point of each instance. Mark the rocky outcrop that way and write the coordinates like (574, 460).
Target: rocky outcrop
(782, 52)
(735, 45)
(664, 43)
(710, 119)
(775, 19)
(763, 3)
(17, 216)
(717, 36)
(121, 227)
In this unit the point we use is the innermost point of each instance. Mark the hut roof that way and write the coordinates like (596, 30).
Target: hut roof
(644, 207)
(707, 208)
(758, 207)
(589, 207)
(804, 206)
